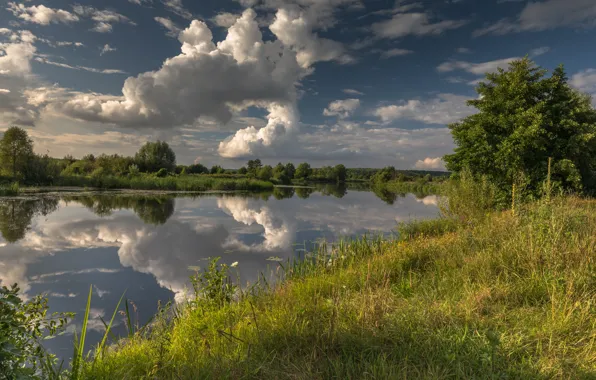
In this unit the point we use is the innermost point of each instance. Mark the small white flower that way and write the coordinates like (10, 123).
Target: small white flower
(234, 264)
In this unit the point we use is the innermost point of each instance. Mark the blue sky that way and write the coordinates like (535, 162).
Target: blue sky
(362, 82)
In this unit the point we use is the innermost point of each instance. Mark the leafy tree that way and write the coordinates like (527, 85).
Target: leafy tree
(16, 148)
(154, 156)
(197, 169)
(303, 171)
(524, 118)
(339, 172)
(386, 174)
(290, 170)
(16, 215)
(216, 169)
(253, 167)
(243, 170)
(278, 169)
(265, 173)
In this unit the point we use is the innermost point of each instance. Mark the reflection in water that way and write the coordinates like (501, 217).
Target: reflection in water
(146, 244)
(16, 215)
(154, 210)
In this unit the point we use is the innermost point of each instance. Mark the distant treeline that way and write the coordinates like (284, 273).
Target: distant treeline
(154, 167)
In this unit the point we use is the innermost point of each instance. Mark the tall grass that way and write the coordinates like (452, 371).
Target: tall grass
(506, 296)
(178, 183)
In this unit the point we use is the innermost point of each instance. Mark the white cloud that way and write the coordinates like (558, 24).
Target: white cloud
(5, 31)
(225, 19)
(395, 53)
(173, 29)
(211, 81)
(40, 14)
(430, 163)
(4, 91)
(585, 81)
(404, 23)
(351, 91)
(476, 68)
(294, 28)
(444, 109)
(84, 68)
(140, 2)
(176, 7)
(544, 15)
(463, 50)
(106, 49)
(539, 51)
(342, 108)
(103, 18)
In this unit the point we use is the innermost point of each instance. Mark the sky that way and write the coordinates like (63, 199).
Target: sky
(366, 83)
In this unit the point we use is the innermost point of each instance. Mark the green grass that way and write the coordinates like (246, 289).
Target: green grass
(9, 190)
(500, 296)
(171, 183)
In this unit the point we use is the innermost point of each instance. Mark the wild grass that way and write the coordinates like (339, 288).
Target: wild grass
(504, 295)
(171, 183)
(9, 190)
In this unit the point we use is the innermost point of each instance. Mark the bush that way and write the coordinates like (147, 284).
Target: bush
(22, 326)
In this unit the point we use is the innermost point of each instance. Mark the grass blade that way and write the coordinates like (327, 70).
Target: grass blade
(130, 332)
(81, 346)
(108, 328)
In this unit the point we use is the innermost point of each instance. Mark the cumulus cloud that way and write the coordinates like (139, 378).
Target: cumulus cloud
(15, 75)
(173, 29)
(430, 163)
(204, 80)
(225, 19)
(405, 21)
(106, 49)
(294, 28)
(342, 108)
(40, 14)
(443, 109)
(544, 15)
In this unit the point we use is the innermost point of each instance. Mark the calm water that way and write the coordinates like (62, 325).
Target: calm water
(148, 245)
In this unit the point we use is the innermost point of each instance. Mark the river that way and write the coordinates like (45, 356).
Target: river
(148, 245)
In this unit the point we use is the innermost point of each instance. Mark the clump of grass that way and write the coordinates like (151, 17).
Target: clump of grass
(10, 190)
(507, 296)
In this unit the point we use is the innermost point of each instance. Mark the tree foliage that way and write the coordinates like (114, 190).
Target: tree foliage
(154, 156)
(524, 118)
(16, 149)
(303, 171)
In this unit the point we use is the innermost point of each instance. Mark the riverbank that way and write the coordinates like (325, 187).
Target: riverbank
(506, 295)
(187, 183)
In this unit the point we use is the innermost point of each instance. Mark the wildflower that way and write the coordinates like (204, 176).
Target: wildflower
(234, 264)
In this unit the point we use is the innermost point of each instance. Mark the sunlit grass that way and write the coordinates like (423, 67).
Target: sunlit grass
(9, 190)
(502, 296)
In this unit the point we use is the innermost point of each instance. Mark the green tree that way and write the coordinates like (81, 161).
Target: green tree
(524, 118)
(154, 156)
(278, 169)
(339, 172)
(16, 148)
(290, 170)
(253, 167)
(265, 173)
(216, 169)
(303, 171)
(243, 170)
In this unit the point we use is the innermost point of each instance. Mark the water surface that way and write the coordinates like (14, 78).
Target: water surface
(148, 245)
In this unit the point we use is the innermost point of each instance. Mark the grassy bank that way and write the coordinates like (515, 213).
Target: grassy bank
(171, 183)
(508, 295)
